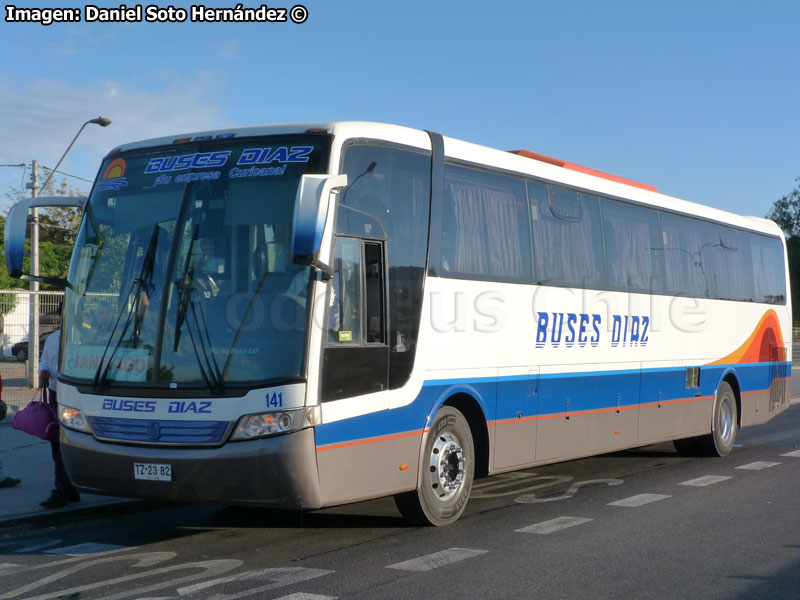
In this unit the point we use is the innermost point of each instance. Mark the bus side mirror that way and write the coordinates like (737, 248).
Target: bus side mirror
(315, 199)
(17, 225)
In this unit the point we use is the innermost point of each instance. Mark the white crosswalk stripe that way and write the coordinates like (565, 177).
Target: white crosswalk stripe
(707, 480)
(758, 465)
(553, 525)
(437, 559)
(795, 453)
(639, 500)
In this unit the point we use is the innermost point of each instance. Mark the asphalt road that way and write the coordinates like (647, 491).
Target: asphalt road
(635, 524)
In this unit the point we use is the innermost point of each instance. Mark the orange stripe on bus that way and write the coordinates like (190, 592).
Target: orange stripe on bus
(677, 400)
(372, 440)
(595, 411)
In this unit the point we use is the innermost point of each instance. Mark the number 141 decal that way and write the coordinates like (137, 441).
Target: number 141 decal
(275, 399)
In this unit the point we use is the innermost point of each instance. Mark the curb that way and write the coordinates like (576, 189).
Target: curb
(57, 516)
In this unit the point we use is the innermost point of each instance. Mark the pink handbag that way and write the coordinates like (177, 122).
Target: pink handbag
(38, 418)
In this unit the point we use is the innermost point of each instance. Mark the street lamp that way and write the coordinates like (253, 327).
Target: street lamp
(33, 322)
(102, 121)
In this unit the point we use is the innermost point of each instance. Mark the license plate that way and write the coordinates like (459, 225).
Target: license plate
(152, 472)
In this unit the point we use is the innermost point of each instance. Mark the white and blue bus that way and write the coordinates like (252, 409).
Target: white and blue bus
(313, 314)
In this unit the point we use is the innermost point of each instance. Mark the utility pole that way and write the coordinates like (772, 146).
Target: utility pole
(33, 322)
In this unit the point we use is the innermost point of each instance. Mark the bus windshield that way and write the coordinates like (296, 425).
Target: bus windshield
(182, 274)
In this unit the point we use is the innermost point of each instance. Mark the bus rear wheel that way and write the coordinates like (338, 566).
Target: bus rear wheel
(446, 473)
(723, 428)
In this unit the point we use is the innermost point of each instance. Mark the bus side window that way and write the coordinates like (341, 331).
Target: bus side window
(357, 301)
(344, 318)
(634, 247)
(375, 303)
(732, 264)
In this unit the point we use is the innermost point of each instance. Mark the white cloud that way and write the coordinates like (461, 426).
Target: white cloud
(41, 118)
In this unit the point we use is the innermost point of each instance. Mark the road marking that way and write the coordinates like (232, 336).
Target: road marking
(796, 454)
(8, 568)
(85, 548)
(142, 560)
(639, 500)
(573, 489)
(707, 480)
(302, 596)
(498, 486)
(437, 559)
(553, 525)
(264, 580)
(758, 465)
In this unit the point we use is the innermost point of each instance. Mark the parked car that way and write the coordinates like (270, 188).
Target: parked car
(20, 349)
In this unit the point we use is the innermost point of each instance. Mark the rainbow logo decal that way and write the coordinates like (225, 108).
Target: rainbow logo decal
(765, 344)
(113, 176)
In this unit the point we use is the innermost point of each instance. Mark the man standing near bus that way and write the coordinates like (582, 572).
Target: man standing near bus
(64, 492)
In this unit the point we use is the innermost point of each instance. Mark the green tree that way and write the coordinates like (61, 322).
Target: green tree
(786, 213)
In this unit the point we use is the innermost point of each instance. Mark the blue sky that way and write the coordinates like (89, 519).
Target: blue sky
(700, 98)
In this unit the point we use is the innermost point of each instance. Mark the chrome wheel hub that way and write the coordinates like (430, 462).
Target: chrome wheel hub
(446, 466)
(725, 422)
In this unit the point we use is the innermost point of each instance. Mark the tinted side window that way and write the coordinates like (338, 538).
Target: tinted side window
(687, 256)
(769, 273)
(485, 233)
(633, 247)
(733, 268)
(567, 237)
(344, 313)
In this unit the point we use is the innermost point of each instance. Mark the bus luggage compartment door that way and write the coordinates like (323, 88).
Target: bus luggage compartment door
(515, 424)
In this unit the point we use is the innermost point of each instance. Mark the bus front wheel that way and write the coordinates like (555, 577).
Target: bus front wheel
(446, 472)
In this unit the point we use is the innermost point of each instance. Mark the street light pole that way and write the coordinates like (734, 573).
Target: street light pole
(33, 326)
(33, 316)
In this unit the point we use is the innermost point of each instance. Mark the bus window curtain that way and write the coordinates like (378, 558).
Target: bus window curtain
(488, 227)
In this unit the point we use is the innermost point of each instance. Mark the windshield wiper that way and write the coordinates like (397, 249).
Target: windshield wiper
(139, 284)
(239, 330)
(209, 372)
(184, 288)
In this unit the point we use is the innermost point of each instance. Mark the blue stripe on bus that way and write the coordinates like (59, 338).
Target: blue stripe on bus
(504, 398)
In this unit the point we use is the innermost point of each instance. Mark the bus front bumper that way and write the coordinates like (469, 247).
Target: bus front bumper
(278, 471)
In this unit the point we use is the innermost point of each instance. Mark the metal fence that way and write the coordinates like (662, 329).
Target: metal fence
(14, 324)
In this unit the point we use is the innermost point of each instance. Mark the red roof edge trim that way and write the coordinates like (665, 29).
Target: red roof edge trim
(581, 169)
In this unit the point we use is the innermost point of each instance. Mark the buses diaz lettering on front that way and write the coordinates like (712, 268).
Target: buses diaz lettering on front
(149, 406)
(582, 329)
(209, 160)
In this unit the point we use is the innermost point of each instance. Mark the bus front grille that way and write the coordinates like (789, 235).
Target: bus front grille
(144, 431)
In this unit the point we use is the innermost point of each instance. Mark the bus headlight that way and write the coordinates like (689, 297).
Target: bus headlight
(251, 427)
(72, 418)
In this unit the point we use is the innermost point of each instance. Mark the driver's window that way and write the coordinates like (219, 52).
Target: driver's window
(344, 320)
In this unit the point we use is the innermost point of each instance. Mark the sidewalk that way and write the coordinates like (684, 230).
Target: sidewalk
(28, 458)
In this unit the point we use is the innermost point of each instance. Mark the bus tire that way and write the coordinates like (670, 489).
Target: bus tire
(723, 427)
(446, 472)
